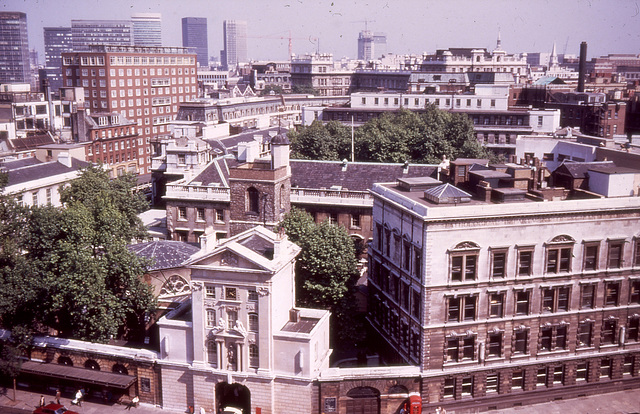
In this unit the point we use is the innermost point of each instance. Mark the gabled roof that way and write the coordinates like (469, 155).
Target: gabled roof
(549, 80)
(164, 254)
(579, 169)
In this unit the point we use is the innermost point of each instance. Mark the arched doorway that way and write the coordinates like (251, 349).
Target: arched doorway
(363, 400)
(233, 395)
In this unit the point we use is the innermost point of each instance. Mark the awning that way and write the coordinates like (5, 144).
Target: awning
(85, 375)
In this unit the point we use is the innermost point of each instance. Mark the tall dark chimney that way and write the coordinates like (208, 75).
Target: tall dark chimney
(582, 68)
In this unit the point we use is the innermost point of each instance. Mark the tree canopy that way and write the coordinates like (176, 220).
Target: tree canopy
(421, 137)
(326, 269)
(83, 282)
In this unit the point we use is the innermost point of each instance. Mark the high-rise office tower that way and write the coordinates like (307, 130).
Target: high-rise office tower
(57, 40)
(235, 43)
(147, 29)
(371, 45)
(14, 48)
(194, 35)
(100, 32)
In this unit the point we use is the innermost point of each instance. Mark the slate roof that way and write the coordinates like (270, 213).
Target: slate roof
(579, 169)
(613, 169)
(164, 254)
(22, 173)
(356, 176)
(216, 172)
(229, 144)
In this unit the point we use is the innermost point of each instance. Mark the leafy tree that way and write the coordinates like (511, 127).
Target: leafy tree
(303, 89)
(321, 142)
(276, 89)
(326, 272)
(83, 281)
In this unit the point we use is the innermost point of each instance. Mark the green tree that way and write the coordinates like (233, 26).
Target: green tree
(321, 142)
(326, 272)
(276, 89)
(83, 281)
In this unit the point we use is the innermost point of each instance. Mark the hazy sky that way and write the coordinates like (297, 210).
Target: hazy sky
(412, 26)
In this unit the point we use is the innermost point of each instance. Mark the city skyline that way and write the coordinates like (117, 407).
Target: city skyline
(525, 26)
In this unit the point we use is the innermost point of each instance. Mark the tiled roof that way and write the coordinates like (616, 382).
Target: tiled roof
(31, 142)
(357, 176)
(164, 254)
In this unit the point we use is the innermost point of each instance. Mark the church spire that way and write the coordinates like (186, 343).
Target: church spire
(553, 59)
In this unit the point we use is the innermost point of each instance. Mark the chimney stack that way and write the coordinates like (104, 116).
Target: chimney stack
(582, 67)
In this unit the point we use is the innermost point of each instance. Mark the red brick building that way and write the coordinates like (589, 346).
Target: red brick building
(143, 84)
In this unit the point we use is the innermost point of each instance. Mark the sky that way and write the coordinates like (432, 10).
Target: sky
(411, 26)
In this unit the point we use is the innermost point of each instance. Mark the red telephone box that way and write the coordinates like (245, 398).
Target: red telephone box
(415, 403)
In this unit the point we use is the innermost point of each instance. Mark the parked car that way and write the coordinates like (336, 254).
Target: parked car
(53, 409)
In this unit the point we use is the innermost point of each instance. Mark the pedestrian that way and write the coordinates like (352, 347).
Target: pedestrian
(78, 400)
(203, 411)
(42, 402)
(58, 396)
(133, 403)
(191, 411)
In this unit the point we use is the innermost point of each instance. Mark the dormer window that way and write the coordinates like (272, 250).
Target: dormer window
(114, 119)
(102, 121)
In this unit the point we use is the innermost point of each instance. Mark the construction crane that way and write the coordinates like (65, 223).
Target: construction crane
(283, 37)
(366, 23)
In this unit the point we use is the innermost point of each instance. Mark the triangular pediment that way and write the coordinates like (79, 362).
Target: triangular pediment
(227, 258)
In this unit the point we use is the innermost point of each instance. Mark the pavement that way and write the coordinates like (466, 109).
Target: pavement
(621, 402)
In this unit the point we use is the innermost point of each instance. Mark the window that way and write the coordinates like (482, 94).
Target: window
(525, 262)
(633, 328)
(211, 317)
(253, 296)
(555, 299)
(605, 368)
(231, 293)
(615, 259)
(522, 302)
(464, 259)
(587, 296)
(496, 305)
(498, 263)
(333, 219)
(355, 221)
(460, 348)
(253, 322)
(253, 200)
(636, 253)
(461, 308)
(558, 374)
(634, 291)
(219, 215)
(467, 386)
(406, 255)
(611, 294)
(254, 360)
(232, 318)
(520, 341)
(495, 345)
(585, 333)
(581, 371)
(417, 261)
(540, 121)
(212, 353)
(608, 334)
(182, 213)
(492, 383)
(627, 365)
(541, 377)
(517, 379)
(546, 337)
(558, 259)
(590, 257)
(210, 292)
(449, 388)
(200, 214)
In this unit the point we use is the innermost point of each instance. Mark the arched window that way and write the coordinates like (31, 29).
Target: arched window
(64, 360)
(119, 369)
(253, 200)
(463, 261)
(91, 364)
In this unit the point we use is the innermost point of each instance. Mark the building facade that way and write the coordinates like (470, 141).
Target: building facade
(143, 84)
(100, 32)
(147, 29)
(14, 48)
(502, 300)
(194, 35)
(234, 35)
(57, 40)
